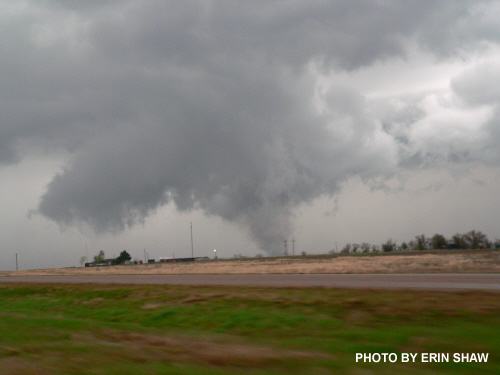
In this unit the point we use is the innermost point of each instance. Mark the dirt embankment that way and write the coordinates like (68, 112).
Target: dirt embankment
(440, 262)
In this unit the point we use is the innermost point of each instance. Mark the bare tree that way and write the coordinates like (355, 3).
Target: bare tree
(475, 239)
(346, 248)
(365, 247)
(439, 241)
(459, 241)
(421, 242)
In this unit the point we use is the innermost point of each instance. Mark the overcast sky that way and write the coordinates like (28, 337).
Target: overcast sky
(321, 121)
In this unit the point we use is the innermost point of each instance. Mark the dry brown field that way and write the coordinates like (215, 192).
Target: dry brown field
(472, 261)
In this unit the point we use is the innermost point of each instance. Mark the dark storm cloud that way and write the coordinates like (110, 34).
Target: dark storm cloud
(211, 104)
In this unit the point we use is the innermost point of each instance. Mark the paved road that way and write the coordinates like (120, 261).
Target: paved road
(393, 281)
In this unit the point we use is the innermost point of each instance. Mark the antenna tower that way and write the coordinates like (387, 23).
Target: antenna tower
(192, 245)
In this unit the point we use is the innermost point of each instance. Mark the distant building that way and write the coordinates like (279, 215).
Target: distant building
(172, 260)
(105, 262)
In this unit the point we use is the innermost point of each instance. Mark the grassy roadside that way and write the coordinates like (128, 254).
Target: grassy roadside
(106, 329)
(439, 261)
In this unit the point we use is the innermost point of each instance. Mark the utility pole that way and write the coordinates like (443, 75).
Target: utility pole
(286, 248)
(16, 263)
(293, 247)
(192, 245)
(145, 261)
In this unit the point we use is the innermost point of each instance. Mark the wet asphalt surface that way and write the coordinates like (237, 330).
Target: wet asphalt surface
(486, 282)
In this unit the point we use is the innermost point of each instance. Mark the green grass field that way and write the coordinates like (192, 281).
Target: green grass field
(105, 329)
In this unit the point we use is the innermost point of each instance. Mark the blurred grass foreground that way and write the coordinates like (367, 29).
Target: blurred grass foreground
(110, 329)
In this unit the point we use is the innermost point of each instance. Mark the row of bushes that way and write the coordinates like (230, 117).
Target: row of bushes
(473, 239)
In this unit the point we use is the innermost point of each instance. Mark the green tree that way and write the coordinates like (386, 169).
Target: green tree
(388, 246)
(123, 257)
(99, 258)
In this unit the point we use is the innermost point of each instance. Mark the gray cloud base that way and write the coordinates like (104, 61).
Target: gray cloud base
(214, 105)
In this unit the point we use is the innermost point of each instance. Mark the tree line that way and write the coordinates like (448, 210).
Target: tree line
(473, 239)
